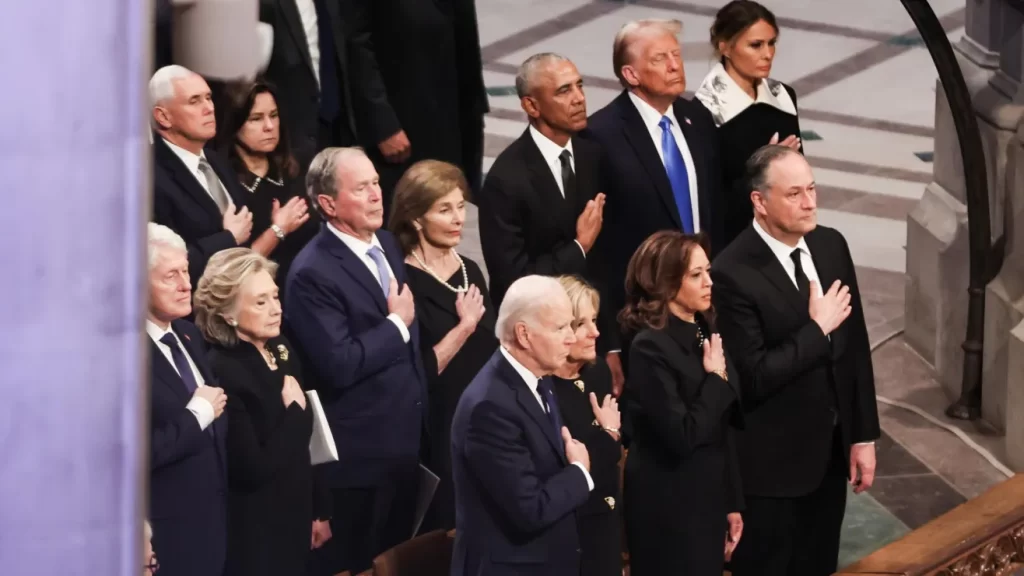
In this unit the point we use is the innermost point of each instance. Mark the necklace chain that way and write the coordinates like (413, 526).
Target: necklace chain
(462, 264)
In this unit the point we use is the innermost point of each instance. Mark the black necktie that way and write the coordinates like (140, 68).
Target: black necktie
(802, 283)
(547, 393)
(180, 362)
(568, 180)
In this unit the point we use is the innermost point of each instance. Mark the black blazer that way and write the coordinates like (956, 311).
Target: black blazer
(681, 478)
(599, 521)
(271, 501)
(528, 227)
(291, 70)
(187, 468)
(792, 376)
(639, 196)
(182, 204)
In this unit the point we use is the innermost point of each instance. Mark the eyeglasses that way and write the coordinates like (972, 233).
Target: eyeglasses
(152, 567)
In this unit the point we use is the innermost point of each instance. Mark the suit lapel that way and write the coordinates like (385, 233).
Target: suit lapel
(772, 269)
(181, 174)
(529, 403)
(165, 372)
(543, 178)
(353, 265)
(228, 180)
(693, 142)
(640, 139)
(826, 265)
(290, 11)
(199, 359)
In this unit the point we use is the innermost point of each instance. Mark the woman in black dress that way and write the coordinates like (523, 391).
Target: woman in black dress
(749, 108)
(583, 388)
(276, 512)
(258, 151)
(453, 308)
(682, 489)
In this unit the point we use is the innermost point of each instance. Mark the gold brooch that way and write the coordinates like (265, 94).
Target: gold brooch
(595, 422)
(610, 502)
(579, 384)
(282, 352)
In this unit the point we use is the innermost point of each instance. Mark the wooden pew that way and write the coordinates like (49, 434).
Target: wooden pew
(982, 537)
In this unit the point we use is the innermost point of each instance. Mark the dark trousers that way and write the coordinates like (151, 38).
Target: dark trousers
(795, 536)
(369, 520)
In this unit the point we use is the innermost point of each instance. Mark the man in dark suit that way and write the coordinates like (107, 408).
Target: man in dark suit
(790, 315)
(194, 194)
(352, 317)
(519, 476)
(418, 85)
(541, 208)
(309, 67)
(660, 153)
(187, 458)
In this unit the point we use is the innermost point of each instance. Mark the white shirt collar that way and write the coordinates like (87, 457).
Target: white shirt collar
(782, 252)
(529, 377)
(724, 98)
(548, 149)
(651, 117)
(355, 244)
(191, 160)
(155, 332)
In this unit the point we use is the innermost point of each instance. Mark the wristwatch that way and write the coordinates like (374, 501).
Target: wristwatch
(277, 231)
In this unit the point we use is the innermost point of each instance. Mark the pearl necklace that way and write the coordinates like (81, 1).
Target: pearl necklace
(256, 184)
(465, 277)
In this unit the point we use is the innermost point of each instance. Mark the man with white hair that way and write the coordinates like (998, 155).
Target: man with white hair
(193, 193)
(187, 452)
(352, 317)
(660, 165)
(519, 476)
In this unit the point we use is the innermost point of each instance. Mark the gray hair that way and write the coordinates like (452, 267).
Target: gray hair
(627, 35)
(528, 70)
(322, 176)
(161, 84)
(757, 166)
(159, 236)
(524, 299)
(147, 530)
(217, 291)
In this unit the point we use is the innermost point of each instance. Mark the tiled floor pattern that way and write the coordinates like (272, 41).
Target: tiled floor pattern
(866, 88)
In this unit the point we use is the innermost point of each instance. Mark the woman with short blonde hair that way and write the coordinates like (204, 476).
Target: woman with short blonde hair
(583, 387)
(272, 512)
(453, 309)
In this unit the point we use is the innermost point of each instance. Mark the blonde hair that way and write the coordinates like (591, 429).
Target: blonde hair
(622, 55)
(423, 184)
(577, 289)
(217, 292)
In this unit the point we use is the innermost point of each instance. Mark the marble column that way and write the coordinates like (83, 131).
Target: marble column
(75, 168)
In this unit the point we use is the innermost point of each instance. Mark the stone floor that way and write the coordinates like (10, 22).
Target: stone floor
(866, 89)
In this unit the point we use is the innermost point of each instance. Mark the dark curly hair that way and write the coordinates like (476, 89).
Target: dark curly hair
(240, 98)
(653, 278)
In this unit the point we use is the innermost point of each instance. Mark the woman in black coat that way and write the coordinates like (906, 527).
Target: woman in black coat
(749, 108)
(276, 511)
(583, 388)
(682, 490)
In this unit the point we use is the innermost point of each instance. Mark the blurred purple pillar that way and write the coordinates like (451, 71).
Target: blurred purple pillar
(74, 189)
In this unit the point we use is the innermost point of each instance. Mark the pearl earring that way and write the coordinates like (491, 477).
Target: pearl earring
(232, 322)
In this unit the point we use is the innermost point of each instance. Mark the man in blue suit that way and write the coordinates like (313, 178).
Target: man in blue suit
(519, 475)
(353, 320)
(188, 470)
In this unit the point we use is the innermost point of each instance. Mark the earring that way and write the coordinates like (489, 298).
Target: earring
(232, 322)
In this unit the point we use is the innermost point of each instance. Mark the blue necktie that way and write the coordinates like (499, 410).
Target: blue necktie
(546, 389)
(678, 177)
(180, 362)
(377, 255)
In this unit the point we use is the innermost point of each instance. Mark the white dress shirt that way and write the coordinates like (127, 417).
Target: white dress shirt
(651, 118)
(531, 382)
(192, 163)
(552, 153)
(361, 250)
(308, 16)
(782, 253)
(199, 407)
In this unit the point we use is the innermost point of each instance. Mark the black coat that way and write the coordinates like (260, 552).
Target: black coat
(182, 204)
(271, 498)
(599, 520)
(795, 381)
(436, 313)
(416, 67)
(681, 479)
